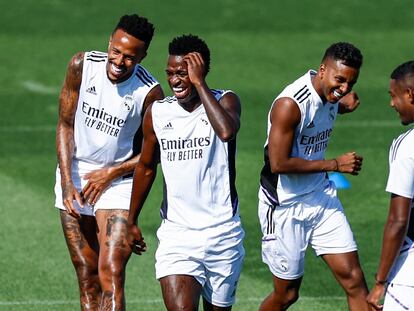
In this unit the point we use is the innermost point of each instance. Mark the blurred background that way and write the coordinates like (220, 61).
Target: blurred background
(257, 48)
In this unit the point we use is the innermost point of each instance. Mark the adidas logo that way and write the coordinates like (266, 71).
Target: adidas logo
(168, 126)
(91, 90)
(310, 125)
(204, 121)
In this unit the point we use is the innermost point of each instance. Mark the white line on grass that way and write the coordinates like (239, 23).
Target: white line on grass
(24, 129)
(150, 301)
(40, 88)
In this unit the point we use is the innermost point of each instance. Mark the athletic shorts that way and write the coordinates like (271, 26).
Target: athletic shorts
(400, 291)
(317, 219)
(117, 196)
(213, 256)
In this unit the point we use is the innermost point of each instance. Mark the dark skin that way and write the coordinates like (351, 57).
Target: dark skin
(402, 100)
(186, 77)
(333, 82)
(97, 245)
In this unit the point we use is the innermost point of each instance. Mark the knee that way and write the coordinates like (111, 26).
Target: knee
(285, 298)
(111, 271)
(353, 281)
(87, 277)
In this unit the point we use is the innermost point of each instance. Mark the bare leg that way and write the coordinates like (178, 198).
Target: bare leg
(83, 247)
(285, 293)
(207, 306)
(114, 255)
(180, 292)
(347, 271)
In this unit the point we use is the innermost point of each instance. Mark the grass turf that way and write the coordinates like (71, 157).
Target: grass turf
(257, 48)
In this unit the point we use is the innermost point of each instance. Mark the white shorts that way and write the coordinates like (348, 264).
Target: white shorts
(213, 256)
(117, 196)
(317, 219)
(400, 291)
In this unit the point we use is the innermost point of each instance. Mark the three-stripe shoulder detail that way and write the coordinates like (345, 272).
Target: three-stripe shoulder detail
(145, 76)
(96, 56)
(396, 144)
(168, 99)
(302, 94)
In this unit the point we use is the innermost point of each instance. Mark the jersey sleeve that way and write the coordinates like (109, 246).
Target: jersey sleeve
(401, 177)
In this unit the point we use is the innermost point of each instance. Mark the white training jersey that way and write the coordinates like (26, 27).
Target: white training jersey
(310, 142)
(401, 179)
(198, 168)
(108, 115)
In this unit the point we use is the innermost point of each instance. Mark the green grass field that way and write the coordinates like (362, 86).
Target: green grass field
(257, 48)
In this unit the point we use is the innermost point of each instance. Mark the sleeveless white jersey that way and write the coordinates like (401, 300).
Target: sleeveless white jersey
(401, 179)
(198, 168)
(310, 142)
(108, 115)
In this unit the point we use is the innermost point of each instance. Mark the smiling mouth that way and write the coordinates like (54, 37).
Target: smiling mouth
(179, 91)
(117, 71)
(337, 95)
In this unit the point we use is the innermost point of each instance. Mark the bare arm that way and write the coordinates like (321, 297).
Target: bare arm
(99, 180)
(65, 144)
(144, 175)
(285, 117)
(394, 232)
(224, 115)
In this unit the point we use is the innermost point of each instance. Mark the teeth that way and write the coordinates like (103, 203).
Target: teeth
(337, 95)
(116, 69)
(177, 89)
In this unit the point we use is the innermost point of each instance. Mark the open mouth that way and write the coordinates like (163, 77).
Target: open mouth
(116, 71)
(180, 92)
(337, 95)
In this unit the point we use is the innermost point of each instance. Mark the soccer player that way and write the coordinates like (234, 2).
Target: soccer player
(298, 205)
(200, 249)
(101, 105)
(395, 274)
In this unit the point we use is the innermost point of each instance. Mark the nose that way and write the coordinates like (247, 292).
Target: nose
(392, 103)
(118, 60)
(345, 88)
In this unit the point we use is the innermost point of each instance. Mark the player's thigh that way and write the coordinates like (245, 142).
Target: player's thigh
(112, 226)
(223, 263)
(180, 292)
(285, 239)
(332, 233)
(81, 239)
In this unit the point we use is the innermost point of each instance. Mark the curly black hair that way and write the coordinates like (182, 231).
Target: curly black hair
(403, 71)
(346, 52)
(185, 44)
(136, 26)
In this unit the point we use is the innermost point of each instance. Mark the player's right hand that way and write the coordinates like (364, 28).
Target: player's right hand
(135, 239)
(70, 194)
(350, 163)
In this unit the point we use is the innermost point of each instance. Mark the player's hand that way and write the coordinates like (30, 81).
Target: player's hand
(70, 194)
(348, 103)
(350, 163)
(195, 67)
(135, 239)
(374, 297)
(98, 182)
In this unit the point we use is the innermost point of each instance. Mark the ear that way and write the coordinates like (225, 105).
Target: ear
(110, 41)
(410, 95)
(322, 70)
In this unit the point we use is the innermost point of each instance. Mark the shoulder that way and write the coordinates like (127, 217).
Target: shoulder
(96, 56)
(402, 145)
(145, 77)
